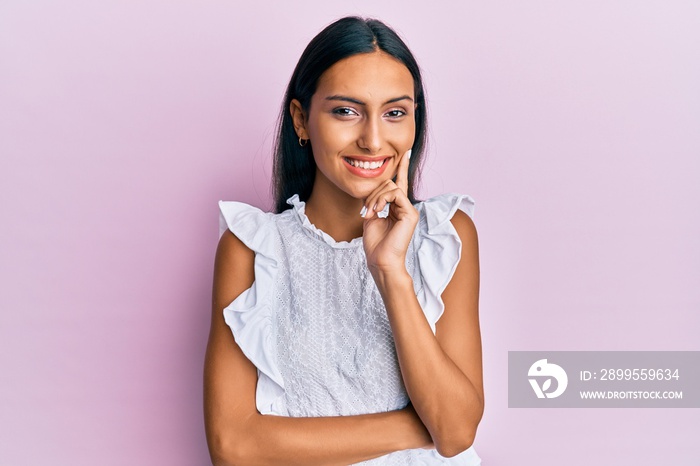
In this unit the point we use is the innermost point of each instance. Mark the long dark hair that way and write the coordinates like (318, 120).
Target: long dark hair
(294, 168)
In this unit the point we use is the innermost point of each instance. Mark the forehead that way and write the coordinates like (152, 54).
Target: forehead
(371, 77)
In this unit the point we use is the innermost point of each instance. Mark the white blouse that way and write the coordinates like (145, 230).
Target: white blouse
(314, 323)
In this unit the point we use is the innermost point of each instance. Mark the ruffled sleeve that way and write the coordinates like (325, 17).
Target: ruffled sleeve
(250, 315)
(438, 249)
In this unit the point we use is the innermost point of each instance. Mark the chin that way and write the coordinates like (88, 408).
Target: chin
(361, 192)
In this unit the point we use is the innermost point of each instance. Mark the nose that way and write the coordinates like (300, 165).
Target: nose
(371, 136)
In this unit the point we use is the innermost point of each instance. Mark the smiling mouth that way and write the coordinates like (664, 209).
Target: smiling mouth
(364, 164)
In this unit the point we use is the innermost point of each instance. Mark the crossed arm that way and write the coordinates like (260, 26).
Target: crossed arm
(442, 375)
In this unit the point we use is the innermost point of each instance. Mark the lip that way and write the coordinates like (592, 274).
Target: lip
(361, 172)
(366, 158)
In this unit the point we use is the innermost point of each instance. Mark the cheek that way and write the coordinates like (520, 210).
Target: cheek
(333, 136)
(404, 135)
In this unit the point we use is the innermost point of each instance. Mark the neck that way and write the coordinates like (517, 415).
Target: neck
(334, 212)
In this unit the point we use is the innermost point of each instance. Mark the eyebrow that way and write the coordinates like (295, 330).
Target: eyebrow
(359, 102)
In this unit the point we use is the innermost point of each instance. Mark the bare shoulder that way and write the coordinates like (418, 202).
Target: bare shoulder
(233, 269)
(465, 229)
(229, 245)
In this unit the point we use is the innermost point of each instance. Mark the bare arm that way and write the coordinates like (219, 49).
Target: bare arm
(237, 434)
(442, 372)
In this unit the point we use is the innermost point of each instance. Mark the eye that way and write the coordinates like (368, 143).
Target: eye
(344, 111)
(396, 113)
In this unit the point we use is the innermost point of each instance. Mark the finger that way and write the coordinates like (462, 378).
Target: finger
(371, 200)
(389, 194)
(402, 172)
(371, 205)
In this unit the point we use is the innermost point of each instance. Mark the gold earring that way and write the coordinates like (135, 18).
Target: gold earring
(305, 141)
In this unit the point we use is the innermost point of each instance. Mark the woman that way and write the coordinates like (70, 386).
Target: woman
(353, 308)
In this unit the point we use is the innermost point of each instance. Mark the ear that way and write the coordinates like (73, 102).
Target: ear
(298, 118)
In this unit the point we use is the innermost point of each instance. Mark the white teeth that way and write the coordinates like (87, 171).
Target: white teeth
(365, 165)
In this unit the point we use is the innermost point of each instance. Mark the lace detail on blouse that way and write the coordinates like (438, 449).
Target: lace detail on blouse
(335, 348)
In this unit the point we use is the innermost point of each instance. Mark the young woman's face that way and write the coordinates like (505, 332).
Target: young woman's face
(361, 121)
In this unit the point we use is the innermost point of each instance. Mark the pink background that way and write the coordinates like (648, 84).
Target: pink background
(574, 125)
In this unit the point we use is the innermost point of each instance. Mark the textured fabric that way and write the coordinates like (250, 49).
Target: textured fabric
(314, 323)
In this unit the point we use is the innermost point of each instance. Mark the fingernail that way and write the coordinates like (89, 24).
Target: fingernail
(374, 208)
(363, 211)
(409, 153)
(385, 211)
